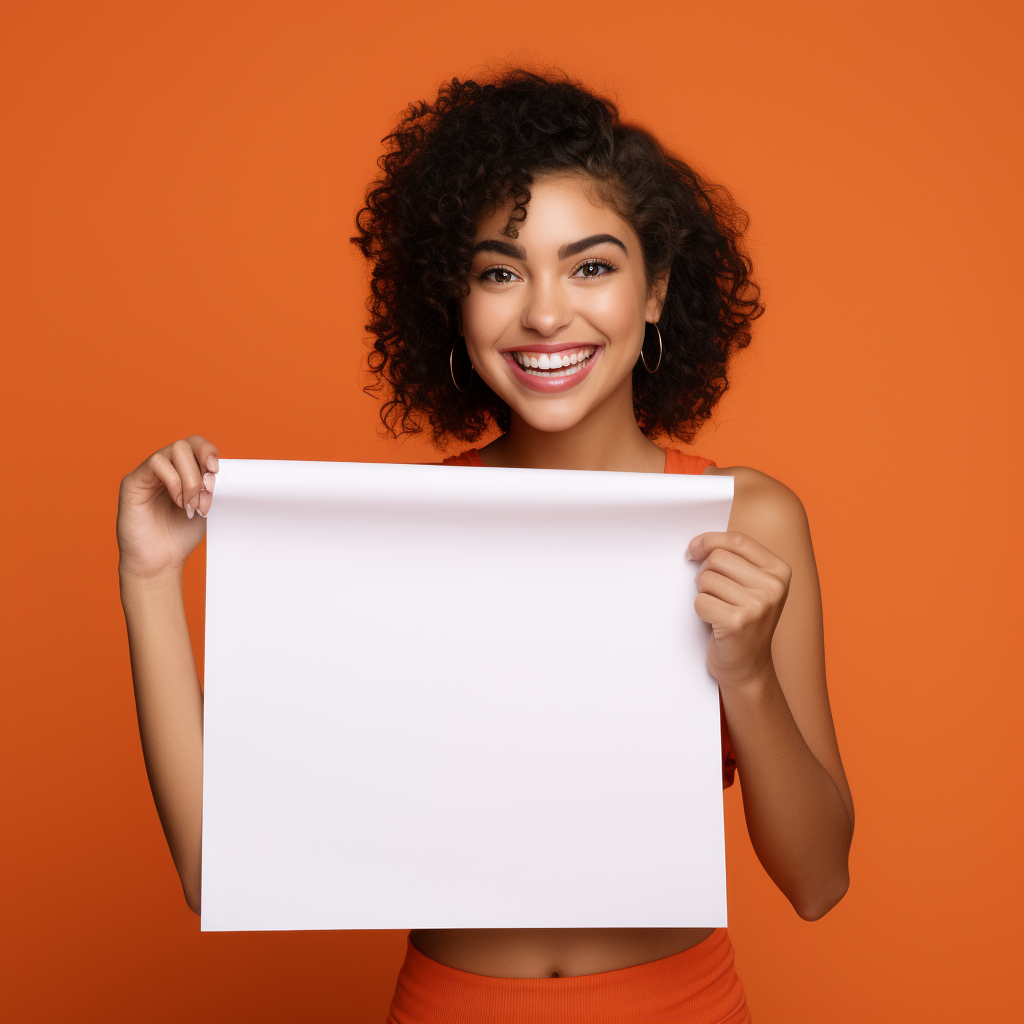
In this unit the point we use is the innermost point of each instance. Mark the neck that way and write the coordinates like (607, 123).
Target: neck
(609, 438)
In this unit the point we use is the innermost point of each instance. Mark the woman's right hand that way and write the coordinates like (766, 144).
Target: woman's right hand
(157, 528)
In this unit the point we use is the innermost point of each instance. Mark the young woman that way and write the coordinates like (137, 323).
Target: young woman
(541, 266)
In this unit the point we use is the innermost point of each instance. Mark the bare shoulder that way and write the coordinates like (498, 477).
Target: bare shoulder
(765, 508)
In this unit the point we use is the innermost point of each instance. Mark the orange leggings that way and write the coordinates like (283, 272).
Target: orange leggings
(697, 986)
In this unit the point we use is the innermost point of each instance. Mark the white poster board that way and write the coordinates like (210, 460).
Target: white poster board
(456, 697)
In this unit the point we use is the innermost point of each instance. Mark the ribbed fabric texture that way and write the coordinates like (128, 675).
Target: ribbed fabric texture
(697, 986)
(675, 462)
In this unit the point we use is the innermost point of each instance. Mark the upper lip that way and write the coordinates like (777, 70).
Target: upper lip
(552, 346)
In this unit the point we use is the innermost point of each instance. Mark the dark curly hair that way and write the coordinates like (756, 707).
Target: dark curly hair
(479, 145)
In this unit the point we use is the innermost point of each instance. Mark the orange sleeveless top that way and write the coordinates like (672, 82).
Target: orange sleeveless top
(675, 462)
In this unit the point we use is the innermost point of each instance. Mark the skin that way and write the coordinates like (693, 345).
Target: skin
(757, 583)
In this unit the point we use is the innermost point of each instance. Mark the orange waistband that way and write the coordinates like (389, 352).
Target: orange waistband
(697, 986)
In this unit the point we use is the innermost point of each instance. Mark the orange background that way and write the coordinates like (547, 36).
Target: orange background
(180, 181)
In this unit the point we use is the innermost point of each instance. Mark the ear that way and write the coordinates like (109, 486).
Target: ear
(656, 296)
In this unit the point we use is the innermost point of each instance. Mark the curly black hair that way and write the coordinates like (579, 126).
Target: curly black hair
(479, 145)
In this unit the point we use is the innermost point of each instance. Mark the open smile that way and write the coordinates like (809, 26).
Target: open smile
(552, 372)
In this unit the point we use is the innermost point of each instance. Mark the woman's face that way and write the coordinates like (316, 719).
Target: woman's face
(554, 319)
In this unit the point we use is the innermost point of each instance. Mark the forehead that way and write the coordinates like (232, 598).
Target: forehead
(563, 206)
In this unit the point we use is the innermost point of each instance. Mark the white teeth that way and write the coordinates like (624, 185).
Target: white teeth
(566, 372)
(554, 364)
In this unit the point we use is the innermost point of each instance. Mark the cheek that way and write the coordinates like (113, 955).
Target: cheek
(617, 312)
(485, 317)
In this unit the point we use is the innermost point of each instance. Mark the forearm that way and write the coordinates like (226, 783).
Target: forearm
(799, 824)
(169, 703)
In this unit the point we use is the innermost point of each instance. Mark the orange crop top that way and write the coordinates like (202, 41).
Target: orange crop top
(675, 462)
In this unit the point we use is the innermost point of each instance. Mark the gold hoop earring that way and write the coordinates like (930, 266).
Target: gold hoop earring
(451, 367)
(660, 350)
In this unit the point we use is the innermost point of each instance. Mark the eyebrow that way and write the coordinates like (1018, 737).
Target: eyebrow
(517, 252)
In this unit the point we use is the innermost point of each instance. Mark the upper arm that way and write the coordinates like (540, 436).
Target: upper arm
(768, 511)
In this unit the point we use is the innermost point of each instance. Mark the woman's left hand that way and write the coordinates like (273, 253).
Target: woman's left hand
(743, 587)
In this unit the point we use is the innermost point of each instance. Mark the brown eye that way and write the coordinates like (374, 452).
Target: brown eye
(505, 278)
(595, 268)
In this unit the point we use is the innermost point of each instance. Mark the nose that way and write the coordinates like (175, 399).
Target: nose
(547, 309)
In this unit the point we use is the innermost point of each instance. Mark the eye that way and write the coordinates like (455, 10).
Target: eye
(504, 275)
(592, 268)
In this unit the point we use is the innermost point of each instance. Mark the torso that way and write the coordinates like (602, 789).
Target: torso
(553, 952)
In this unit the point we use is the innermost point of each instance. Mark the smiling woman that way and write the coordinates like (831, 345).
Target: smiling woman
(447, 233)
(542, 267)
(597, 286)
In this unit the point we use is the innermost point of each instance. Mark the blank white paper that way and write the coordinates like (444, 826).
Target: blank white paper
(459, 697)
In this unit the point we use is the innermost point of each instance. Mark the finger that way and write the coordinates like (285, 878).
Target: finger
(725, 589)
(716, 612)
(205, 498)
(736, 567)
(739, 543)
(205, 453)
(165, 472)
(183, 458)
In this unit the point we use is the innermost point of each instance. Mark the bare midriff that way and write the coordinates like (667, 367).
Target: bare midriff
(551, 952)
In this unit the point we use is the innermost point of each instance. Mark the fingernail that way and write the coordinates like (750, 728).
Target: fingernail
(201, 512)
(208, 481)
(213, 464)
(188, 511)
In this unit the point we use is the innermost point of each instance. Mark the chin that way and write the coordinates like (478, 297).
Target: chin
(551, 420)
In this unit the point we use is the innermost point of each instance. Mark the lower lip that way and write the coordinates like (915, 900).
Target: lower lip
(553, 385)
